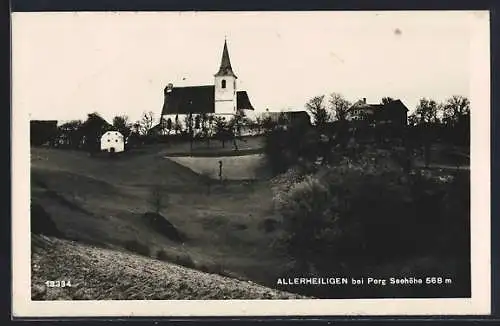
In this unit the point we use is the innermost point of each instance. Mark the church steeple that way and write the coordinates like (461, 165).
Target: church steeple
(225, 64)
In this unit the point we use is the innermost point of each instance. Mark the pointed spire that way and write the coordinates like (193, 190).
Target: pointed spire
(225, 64)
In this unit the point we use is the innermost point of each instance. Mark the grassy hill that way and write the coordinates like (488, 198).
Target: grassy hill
(102, 201)
(101, 274)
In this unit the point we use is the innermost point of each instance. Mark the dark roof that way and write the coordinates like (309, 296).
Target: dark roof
(225, 64)
(192, 99)
(396, 104)
(198, 99)
(44, 122)
(291, 116)
(242, 101)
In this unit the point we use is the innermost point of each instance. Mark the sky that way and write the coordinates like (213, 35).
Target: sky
(66, 65)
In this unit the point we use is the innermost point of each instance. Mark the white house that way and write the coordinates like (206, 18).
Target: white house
(113, 142)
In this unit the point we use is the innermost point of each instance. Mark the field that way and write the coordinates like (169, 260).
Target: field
(105, 205)
(103, 274)
(102, 201)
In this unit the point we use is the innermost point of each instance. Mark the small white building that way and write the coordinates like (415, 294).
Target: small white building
(113, 142)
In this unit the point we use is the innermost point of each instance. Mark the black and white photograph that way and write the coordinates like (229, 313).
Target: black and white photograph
(203, 162)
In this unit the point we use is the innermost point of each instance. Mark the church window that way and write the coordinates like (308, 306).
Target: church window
(223, 84)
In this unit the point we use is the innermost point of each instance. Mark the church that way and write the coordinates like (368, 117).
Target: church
(220, 99)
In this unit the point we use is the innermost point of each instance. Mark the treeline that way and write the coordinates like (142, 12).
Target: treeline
(354, 202)
(448, 120)
(78, 134)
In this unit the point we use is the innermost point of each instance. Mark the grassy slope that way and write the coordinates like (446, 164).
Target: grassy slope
(101, 274)
(248, 167)
(107, 198)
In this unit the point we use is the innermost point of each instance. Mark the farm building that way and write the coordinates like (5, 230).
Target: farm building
(113, 142)
(393, 112)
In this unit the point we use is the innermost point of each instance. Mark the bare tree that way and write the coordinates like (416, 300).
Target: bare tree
(456, 109)
(146, 123)
(169, 125)
(177, 125)
(318, 110)
(157, 199)
(339, 106)
(386, 100)
(427, 111)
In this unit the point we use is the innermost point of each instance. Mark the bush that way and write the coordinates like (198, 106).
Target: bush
(284, 148)
(161, 225)
(137, 247)
(269, 225)
(42, 223)
(163, 255)
(365, 210)
(182, 259)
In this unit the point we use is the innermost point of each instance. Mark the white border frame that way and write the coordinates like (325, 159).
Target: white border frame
(478, 304)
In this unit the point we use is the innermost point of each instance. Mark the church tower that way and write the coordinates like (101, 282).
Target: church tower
(225, 86)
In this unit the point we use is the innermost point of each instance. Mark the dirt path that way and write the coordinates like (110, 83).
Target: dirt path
(102, 274)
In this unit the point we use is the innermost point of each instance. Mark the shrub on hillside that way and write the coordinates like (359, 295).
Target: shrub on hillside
(161, 225)
(42, 223)
(137, 247)
(367, 210)
(269, 225)
(182, 259)
(285, 147)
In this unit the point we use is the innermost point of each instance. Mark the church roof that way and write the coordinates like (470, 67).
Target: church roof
(242, 101)
(194, 99)
(198, 99)
(225, 64)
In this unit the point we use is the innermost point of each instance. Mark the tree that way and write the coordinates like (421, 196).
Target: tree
(221, 130)
(197, 122)
(234, 127)
(146, 123)
(157, 199)
(427, 111)
(92, 129)
(317, 109)
(177, 125)
(205, 127)
(386, 100)
(455, 110)
(189, 128)
(122, 124)
(169, 125)
(412, 120)
(339, 106)
(267, 124)
(71, 132)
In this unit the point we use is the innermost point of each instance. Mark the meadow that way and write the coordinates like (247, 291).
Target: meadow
(102, 201)
(229, 227)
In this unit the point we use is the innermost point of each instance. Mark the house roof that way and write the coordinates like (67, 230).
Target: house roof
(291, 116)
(44, 122)
(225, 64)
(198, 100)
(396, 104)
